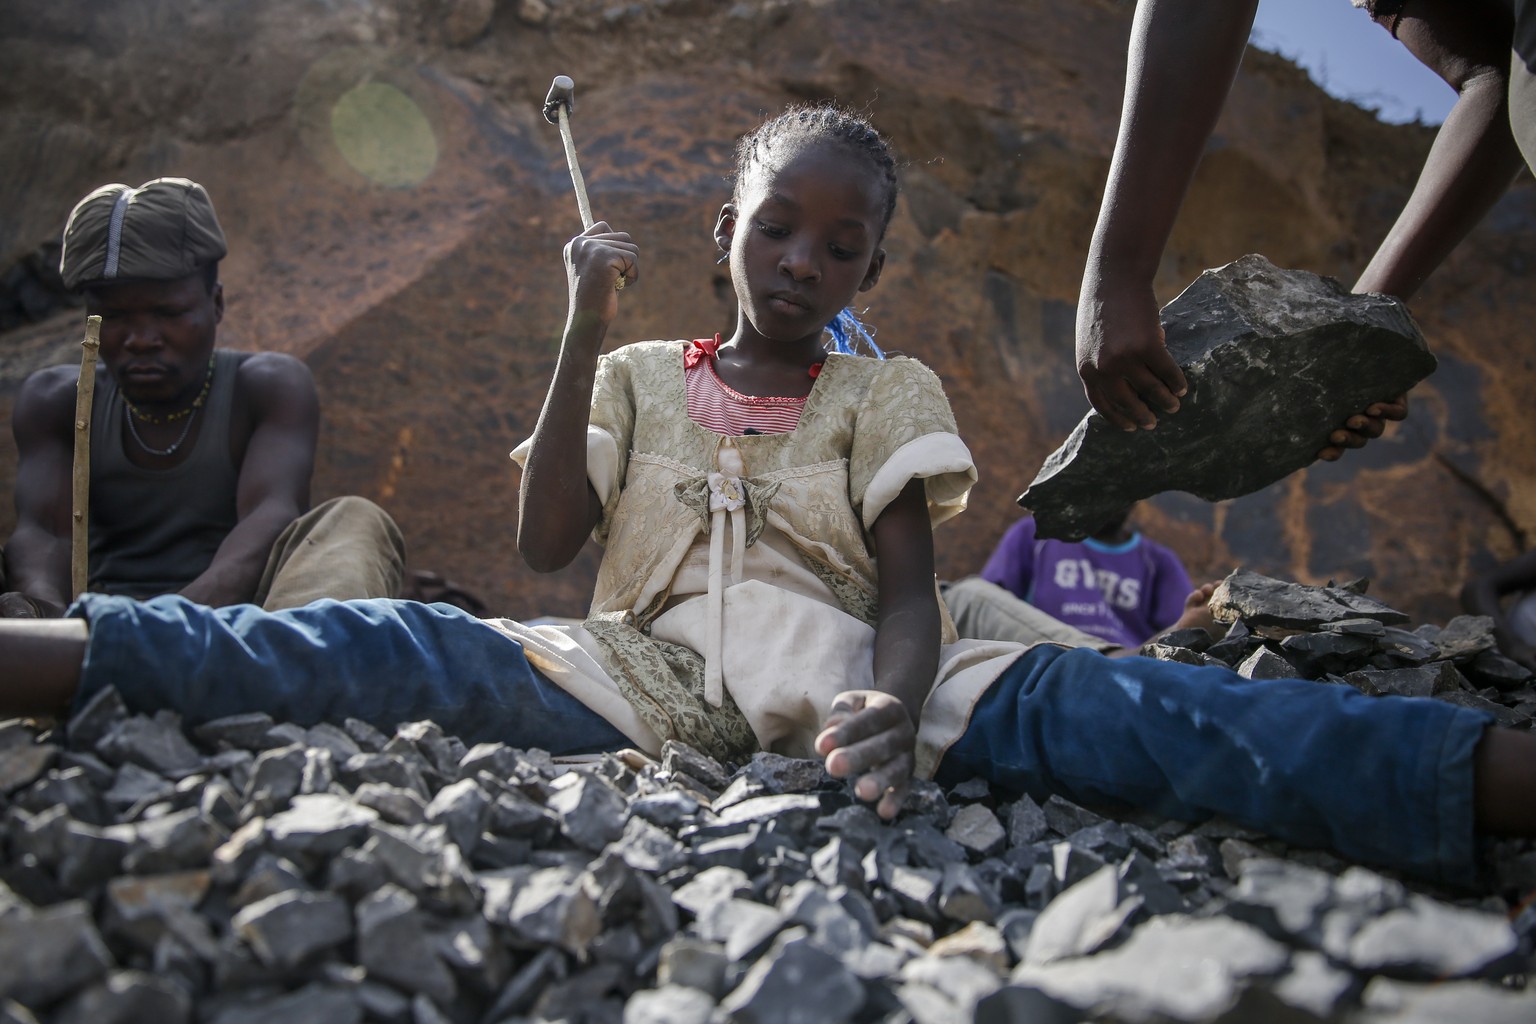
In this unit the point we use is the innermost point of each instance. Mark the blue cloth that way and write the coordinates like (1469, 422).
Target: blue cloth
(1381, 779)
(383, 661)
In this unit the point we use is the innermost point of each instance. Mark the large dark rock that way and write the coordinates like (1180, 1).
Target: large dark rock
(1275, 359)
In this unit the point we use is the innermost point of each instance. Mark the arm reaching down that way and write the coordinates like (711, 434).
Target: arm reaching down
(273, 487)
(1474, 157)
(872, 734)
(37, 555)
(1182, 60)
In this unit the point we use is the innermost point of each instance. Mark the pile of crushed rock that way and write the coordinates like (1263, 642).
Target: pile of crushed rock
(247, 870)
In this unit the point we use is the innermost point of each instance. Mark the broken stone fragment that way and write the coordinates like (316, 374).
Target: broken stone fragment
(1066, 817)
(461, 808)
(685, 960)
(1510, 718)
(128, 997)
(965, 896)
(1026, 822)
(1171, 652)
(1314, 985)
(543, 906)
(795, 981)
(1465, 637)
(48, 953)
(1264, 663)
(1180, 968)
(1491, 668)
(645, 847)
(669, 1004)
(1286, 900)
(288, 928)
(977, 829)
(157, 744)
(1324, 653)
(1275, 360)
(1415, 681)
(22, 758)
(591, 812)
(1081, 919)
(1429, 939)
(395, 944)
(1263, 602)
(318, 825)
(965, 965)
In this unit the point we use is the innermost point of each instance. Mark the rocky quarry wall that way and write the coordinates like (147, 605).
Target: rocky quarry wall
(396, 206)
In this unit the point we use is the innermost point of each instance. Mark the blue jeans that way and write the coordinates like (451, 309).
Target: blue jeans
(1382, 779)
(379, 660)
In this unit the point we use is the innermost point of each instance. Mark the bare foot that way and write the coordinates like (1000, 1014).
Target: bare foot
(1197, 611)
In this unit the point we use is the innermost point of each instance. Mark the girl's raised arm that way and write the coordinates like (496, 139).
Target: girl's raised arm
(557, 507)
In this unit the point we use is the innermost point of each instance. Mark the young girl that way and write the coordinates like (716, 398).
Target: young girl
(744, 489)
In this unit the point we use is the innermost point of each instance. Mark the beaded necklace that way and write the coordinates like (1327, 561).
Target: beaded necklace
(197, 403)
(132, 412)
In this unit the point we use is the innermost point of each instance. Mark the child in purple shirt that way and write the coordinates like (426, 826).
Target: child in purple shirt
(1116, 585)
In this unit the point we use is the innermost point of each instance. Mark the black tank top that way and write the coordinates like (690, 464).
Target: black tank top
(153, 531)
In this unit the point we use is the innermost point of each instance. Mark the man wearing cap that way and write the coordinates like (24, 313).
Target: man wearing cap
(200, 457)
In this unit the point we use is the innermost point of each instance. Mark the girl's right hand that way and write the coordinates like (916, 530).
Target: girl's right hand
(869, 736)
(595, 261)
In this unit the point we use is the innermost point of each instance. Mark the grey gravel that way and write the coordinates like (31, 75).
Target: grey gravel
(254, 870)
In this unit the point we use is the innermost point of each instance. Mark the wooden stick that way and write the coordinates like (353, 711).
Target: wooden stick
(85, 394)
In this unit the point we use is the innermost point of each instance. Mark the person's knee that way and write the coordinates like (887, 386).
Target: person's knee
(351, 514)
(962, 596)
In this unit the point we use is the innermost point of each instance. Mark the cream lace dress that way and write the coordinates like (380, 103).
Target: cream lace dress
(737, 592)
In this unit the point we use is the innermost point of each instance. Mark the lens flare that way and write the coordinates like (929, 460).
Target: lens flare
(383, 135)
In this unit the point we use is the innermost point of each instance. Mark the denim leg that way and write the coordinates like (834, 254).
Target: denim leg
(382, 661)
(1381, 779)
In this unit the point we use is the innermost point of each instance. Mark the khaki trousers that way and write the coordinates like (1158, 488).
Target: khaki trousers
(343, 549)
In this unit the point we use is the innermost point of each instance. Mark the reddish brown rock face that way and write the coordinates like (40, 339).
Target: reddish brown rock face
(396, 205)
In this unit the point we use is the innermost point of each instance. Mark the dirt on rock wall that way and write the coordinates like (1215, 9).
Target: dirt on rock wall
(396, 207)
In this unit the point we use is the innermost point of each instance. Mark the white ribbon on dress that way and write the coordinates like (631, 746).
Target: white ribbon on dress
(727, 504)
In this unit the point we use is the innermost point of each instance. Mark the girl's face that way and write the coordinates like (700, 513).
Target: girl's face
(804, 238)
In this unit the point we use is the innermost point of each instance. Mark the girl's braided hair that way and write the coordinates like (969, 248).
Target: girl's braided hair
(827, 122)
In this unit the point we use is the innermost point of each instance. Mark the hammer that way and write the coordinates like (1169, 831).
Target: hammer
(558, 105)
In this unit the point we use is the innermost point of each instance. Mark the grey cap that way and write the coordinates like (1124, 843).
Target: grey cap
(162, 230)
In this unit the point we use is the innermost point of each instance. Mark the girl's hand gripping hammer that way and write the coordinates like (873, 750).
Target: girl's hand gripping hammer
(557, 110)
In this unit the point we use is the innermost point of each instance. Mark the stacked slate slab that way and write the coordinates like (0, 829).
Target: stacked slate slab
(247, 870)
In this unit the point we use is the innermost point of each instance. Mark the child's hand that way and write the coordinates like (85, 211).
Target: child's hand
(870, 734)
(595, 261)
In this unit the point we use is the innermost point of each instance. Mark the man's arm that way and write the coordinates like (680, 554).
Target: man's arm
(37, 555)
(1182, 60)
(872, 734)
(273, 487)
(1474, 157)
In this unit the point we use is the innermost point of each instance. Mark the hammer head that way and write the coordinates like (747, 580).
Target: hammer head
(562, 93)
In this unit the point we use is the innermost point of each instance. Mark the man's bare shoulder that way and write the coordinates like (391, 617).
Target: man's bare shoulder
(50, 384)
(46, 398)
(265, 370)
(273, 379)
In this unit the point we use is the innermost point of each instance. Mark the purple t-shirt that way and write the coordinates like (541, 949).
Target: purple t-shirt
(1123, 593)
